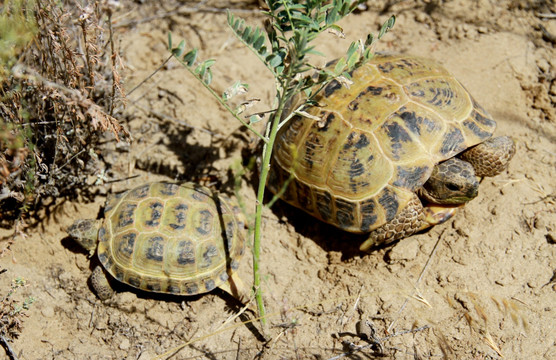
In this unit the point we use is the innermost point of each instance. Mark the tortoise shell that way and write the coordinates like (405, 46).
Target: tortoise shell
(376, 143)
(170, 238)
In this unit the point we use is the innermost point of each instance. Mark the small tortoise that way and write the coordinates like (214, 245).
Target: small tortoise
(395, 153)
(167, 238)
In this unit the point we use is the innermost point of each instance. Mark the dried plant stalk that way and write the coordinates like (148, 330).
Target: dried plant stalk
(60, 94)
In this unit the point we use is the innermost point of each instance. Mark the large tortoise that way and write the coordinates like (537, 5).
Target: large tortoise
(168, 238)
(396, 152)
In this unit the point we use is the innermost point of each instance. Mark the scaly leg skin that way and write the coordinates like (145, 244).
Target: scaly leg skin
(491, 157)
(100, 284)
(412, 219)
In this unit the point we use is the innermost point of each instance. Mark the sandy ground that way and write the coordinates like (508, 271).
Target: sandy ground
(481, 286)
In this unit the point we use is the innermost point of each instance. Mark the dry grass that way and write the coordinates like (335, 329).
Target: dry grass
(60, 91)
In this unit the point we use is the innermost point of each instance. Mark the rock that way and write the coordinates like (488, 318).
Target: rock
(125, 344)
(404, 250)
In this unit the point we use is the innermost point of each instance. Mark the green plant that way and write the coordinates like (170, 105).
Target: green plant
(284, 47)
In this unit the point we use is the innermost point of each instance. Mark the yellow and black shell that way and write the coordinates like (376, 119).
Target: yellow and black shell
(171, 238)
(376, 142)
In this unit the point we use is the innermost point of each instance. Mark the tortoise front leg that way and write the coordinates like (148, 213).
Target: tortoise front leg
(413, 218)
(490, 157)
(100, 283)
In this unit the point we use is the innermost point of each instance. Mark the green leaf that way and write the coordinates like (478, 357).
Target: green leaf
(297, 6)
(352, 60)
(352, 49)
(208, 76)
(258, 43)
(312, 51)
(208, 63)
(367, 54)
(253, 119)
(340, 66)
(274, 60)
(170, 40)
(389, 24)
(179, 50)
(336, 28)
(238, 23)
(246, 34)
(369, 40)
(190, 57)
(302, 18)
(332, 16)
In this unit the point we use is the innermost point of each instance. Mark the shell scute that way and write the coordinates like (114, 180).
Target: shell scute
(164, 189)
(139, 193)
(424, 126)
(368, 111)
(209, 253)
(209, 285)
(357, 172)
(323, 203)
(444, 95)
(346, 212)
(124, 245)
(174, 218)
(368, 214)
(452, 142)
(148, 214)
(396, 142)
(404, 69)
(414, 175)
(203, 221)
(123, 217)
(185, 253)
(390, 203)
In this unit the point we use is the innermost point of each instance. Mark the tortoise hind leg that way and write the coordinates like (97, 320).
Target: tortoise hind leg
(413, 218)
(407, 222)
(235, 287)
(100, 283)
(491, 157)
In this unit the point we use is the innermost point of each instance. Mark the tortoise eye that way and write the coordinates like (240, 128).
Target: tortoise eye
(453, 187)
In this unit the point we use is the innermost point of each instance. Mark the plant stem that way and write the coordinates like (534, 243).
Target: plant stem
(265, 167)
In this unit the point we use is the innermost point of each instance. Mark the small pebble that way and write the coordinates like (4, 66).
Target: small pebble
(421, 17)
(125, 344)
(47, 311)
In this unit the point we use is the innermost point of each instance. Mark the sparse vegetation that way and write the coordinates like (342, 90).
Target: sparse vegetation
(60, 89)
(13, 311)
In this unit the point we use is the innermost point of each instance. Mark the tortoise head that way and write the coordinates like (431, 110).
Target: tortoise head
(85, 232)
(451, 182)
